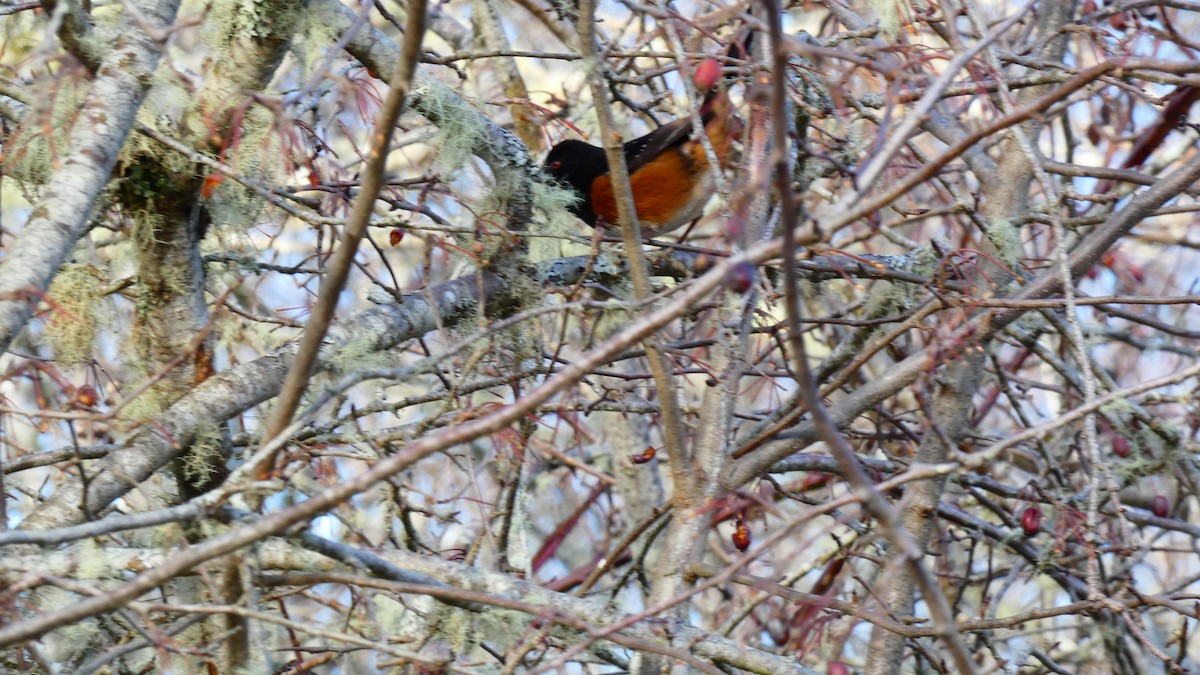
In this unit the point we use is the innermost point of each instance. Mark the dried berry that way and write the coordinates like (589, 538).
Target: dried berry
(647, 455)
(1160, 506)
(395, 236)
(86, 396)
(741, 535)
(1121, 447)
(740, 277)
(1031, 521)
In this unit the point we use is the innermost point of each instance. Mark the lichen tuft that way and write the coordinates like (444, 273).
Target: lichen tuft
(75, 295)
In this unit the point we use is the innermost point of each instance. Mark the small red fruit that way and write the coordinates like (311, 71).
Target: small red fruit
(740, 277)
(837, 668)
(741, 535)
(1031, 521)
(395, 236)
(1160, 506)
(707, 74)
(87, 396)
(1121, 447)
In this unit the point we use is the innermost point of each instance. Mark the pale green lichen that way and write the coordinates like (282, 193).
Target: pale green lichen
(462, 129)
(1006, 237)
(259, 155)
(362, 353)
(41, 142)
(314, 38)
(552, 202)
(234, 20)
(146, 406)
(201, 460)
(92, 562)
(51, 598)
(77, 304)
(144, 226)
(892, 15)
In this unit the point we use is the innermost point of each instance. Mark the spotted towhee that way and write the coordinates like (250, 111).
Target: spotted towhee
(668, 167)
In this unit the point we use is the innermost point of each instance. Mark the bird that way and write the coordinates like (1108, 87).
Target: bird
(669, 169)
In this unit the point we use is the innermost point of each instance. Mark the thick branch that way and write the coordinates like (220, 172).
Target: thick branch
(96, 138)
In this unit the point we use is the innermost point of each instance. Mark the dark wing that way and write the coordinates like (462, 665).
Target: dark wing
(641, 151)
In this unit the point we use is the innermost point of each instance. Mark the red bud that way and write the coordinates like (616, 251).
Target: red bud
(395, 236)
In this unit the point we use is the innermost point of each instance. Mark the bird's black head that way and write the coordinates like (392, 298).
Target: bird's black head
(576, 164)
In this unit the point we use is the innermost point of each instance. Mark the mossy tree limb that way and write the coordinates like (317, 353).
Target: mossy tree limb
(106, 117)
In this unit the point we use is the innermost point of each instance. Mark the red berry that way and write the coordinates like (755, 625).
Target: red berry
(87, 396)
(837, 668)
(395, 236)
(741, 535)
(1121, 446)
(707, 74)
(1031, 521)
(1160, 506)
(740, 277)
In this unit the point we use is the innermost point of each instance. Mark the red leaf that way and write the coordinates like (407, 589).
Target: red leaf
(211, 182)
(647, 455)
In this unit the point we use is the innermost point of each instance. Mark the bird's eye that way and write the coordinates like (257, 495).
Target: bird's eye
(555, 165)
